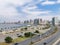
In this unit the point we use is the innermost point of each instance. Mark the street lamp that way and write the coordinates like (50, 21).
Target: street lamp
(31, 42)
(40, 36)
(40, 33)
(31, 39)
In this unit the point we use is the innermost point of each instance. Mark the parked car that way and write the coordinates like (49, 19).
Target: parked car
(44, 43)
(16, 44)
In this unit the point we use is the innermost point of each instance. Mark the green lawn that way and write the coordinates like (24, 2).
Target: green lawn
(19, 39)
(3, 43)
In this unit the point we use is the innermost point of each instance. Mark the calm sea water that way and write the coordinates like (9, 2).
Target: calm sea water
(11, 26)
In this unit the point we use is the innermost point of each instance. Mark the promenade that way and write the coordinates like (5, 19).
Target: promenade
(21, 32)
(57, 42)
(51, 39)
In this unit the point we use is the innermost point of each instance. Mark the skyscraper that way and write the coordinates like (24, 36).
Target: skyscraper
(53, 21)
(31, 21)
(36, 21)
(26, 22)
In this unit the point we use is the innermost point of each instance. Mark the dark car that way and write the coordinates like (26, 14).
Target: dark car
(16, 44)
(44, 43)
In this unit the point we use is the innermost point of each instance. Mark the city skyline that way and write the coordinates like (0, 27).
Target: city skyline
(15, 10)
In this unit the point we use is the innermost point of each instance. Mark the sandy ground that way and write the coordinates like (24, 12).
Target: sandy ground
(14, 34)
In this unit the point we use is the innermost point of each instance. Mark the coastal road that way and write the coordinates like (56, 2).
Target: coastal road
(49, 40)
(28, 41)
(35, 38)
(58, 43)
(13, 35)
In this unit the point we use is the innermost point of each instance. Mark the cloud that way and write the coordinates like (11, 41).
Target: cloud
(33, 11)
(34, 14)
(7, 13)
(14, 10)
(58, 1)
(48, 2)
(7, 10)
(18, 2)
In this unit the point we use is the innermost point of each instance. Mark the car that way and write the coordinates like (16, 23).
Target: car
(20, 36)
(38, 35)
(16, 44)
(44, 43)
(17, 34)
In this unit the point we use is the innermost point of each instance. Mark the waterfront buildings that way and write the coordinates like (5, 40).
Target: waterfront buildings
(55, 21)
(26, 22)
(36, 21)
(31, 21)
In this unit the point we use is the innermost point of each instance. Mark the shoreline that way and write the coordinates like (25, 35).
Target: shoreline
(14, 29)
(13, 33)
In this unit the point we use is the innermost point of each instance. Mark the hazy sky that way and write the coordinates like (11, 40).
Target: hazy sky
(14, 10)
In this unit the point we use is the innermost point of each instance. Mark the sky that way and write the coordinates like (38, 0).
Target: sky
(15, 10)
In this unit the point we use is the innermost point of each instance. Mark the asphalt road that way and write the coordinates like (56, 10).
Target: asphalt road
(28, 41)
(36, 38)
(58, 43)
(13, 35)
(50, 40)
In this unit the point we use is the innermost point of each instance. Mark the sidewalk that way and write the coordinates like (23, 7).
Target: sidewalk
(56, 42)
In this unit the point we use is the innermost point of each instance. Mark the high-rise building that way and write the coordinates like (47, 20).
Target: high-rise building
(40, 21)
(36, 21)
(26, 22)
(53, 21)
(18, 22)
(31, 21)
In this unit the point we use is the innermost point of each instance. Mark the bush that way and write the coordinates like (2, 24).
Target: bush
(8, 39)
(31, 43)
(28, 34)
(25, 28)
(36, 31)
(20, 36)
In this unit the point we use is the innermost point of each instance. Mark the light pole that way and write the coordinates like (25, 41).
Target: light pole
(39, 32)
(40, 36)
(31, 39)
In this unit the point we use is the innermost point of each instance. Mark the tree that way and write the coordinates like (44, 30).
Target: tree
(25, 28)
(8, 39)
(28, 34)
(36, 31)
